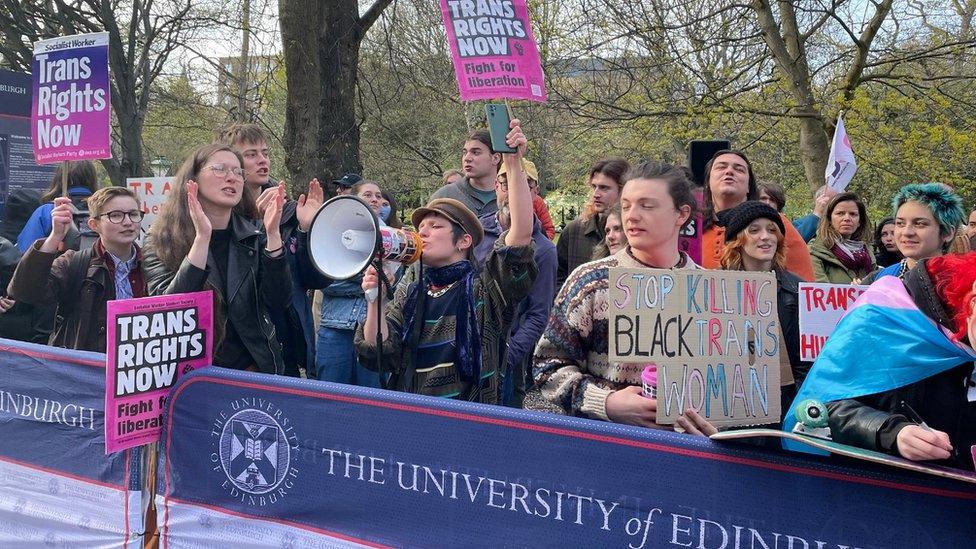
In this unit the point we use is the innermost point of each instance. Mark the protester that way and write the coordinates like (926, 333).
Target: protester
(538, 203)
(773, 195)
(730, 182)
(895, 372)
(82, 182)
(206, 238)
(840, 252)
(533, 311)
(476, 189)
(451, 177)
(390, 211)
(926, 218)
(457, 316)
(615, 238)
(343, 185)
(755, 242)
(807, 224)
(343, 306)
(571, 363)
(81, 282)
(971, 226)
(581, 235)
(293, 326)
(885, 250)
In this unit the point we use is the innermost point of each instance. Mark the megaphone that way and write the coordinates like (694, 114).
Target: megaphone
(346, 236)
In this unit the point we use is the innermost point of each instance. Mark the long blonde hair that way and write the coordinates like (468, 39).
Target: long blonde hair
(732, 256)
(173, 232)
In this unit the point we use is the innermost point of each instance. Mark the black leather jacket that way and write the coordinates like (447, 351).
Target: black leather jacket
(873, 421)
(257, 284)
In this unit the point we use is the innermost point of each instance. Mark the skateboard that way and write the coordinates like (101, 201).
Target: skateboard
(812, 430)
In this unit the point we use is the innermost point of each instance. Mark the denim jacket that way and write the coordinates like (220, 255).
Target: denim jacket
(343, 304)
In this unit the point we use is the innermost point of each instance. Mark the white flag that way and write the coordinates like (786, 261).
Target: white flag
(841, 165)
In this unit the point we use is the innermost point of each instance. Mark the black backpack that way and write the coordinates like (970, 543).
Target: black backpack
(21, 204)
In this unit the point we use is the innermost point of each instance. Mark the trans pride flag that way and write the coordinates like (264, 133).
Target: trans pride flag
(882, 343)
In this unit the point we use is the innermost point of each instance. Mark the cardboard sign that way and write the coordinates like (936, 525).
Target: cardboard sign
(715, 337)
(151, 192)
(71, 114)
(821, 308)
(152, 341)
(493, 50)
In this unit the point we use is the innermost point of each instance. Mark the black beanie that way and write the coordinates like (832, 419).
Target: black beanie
(739, 217)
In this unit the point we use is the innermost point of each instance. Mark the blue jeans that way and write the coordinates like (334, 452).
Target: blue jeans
(335, 359)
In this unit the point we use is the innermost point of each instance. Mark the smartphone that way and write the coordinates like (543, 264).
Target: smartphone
(499, 119)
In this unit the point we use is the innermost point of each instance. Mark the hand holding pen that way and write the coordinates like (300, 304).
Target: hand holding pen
(920, 442)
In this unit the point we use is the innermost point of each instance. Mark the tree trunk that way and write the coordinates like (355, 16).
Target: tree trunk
(814, 149)
(786, 43)
(321, 43)
(338, 53)
(301, 22)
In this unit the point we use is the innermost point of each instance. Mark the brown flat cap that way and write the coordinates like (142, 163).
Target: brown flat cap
(456, 212)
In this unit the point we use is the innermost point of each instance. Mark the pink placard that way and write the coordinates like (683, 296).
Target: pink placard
(152, 341)
(71, 110)
(493, 50)
(690, 238)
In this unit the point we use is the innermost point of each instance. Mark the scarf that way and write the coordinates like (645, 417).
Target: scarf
(853, 254)
(883, 342)
(467, 338)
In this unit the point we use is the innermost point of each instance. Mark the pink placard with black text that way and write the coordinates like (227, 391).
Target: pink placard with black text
(493, 49)
(152, 341)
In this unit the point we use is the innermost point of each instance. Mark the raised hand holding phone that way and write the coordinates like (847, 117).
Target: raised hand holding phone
(499, 123)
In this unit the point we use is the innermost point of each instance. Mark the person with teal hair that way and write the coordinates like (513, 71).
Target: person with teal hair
(927, 216)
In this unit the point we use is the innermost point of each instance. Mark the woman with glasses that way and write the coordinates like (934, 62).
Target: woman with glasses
(80, 283)
(206, 238)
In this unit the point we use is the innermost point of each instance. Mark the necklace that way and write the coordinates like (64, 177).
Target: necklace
(903, 270)
(441, 291)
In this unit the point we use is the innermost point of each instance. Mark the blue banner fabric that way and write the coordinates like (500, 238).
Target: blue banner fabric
(57, 486)
(256, 461)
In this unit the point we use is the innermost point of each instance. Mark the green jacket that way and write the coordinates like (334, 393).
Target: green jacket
(827, 268)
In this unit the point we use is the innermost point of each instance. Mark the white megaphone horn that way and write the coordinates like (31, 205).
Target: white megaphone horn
(346, 237)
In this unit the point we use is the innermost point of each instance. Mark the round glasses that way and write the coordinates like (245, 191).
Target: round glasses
(116, 216)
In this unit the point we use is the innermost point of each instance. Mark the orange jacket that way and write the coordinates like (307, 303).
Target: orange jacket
(798, 259)
(542, 212)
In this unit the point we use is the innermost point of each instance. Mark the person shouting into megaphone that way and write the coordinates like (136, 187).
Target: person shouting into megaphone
(444, 335)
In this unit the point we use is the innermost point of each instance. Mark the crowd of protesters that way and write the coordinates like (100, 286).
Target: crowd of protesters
(500, 309)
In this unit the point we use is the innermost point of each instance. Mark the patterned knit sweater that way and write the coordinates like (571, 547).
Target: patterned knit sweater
(571, 365)
(505, 279)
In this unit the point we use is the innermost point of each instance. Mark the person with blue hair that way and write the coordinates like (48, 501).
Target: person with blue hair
(927, 216)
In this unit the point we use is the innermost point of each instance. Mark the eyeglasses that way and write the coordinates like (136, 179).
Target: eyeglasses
(116, 216)
(221, 170)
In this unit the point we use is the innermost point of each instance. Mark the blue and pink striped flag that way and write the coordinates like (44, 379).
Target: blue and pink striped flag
(883, 342)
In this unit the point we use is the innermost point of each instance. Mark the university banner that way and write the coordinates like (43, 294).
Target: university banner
(250, 460)
(57, 486)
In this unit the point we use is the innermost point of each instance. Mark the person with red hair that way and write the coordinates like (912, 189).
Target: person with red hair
(897, 373)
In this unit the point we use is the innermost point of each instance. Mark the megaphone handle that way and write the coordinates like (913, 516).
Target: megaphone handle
(384, 280)
(378, 265)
